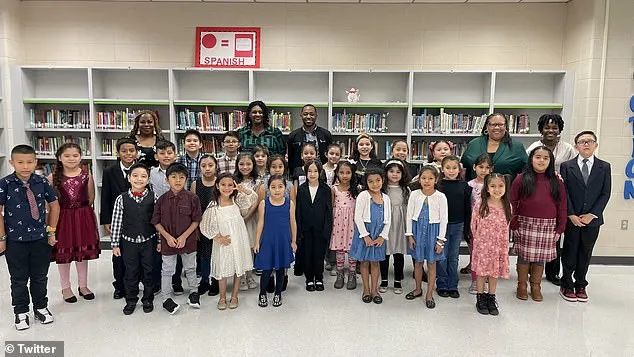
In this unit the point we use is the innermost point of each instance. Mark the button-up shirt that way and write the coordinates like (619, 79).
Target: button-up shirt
(192, 167)
(18, 222)
(176, 212)
(116, 228)
(227, 164)
(271, 137)
(158, 180)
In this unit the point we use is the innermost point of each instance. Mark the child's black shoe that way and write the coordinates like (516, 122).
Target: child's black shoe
(148, 306)
(129, 308)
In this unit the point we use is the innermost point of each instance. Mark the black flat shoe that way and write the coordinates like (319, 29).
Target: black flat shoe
(412, 296)
(454, 294)
(71, 300)
(366, 299)
(443, 293)
(118, 294)
(89, 296)
(129, 308)
(430, 303)
(377, 299)
(319, 285)
(310, 286)
(148, 307)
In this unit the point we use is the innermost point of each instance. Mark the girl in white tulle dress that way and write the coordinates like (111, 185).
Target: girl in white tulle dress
(223, 222)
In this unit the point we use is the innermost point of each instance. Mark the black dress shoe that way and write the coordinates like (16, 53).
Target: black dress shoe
(129, 308)
(310, 286)
(443, 293)
(319, 285)
(148, 307)
(89, 296)
(118, 294)
(454, 294)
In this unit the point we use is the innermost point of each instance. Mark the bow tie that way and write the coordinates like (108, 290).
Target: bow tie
(137, 194)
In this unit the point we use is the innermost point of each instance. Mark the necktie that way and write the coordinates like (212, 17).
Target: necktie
(585, 171)
(35, 212)
(126, 172)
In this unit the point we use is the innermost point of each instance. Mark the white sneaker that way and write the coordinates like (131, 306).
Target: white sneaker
(251, 283)
(44, 316)
(243, 285)
(22, 321)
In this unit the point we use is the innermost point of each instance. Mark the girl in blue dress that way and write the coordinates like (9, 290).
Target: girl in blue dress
(426, 225)
(276, 238)
(372, 217)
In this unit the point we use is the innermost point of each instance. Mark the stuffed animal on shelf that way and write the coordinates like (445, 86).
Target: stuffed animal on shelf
(353, 95)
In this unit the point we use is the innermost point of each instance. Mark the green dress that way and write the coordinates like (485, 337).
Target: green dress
(506, 160)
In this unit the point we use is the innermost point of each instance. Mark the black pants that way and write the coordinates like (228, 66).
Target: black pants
(118, 271)
(28, 262)
(552, 267)
(399, 263)
(313, 251)
(576, 254)
(139, 260)
(267, 275)
(177, 279)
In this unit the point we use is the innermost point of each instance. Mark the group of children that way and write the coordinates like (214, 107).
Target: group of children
(239, 216)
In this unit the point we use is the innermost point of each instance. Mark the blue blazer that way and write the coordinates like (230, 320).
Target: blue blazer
(591, 198)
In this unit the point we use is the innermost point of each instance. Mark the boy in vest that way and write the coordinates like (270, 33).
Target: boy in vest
(176, 217)
(132, 235)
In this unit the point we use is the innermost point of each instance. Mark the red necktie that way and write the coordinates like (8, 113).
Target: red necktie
(35, 212)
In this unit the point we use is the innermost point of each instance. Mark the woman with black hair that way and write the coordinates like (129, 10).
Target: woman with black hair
(551, 126)
(509, 157)
(258, 131)
(146, 132)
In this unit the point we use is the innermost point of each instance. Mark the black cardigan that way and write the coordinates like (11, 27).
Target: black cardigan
(314, 215)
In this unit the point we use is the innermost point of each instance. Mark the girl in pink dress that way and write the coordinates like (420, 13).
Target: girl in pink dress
(344, 193)
(490, 247)
(77, 235)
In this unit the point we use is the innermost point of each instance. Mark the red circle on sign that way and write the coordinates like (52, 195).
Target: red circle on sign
(209, 41)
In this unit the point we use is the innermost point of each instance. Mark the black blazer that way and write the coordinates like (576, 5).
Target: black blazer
(314, 215)
(591, 198)
(113, 184)
(295, 141)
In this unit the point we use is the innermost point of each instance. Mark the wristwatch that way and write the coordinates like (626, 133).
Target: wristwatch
(50, 230)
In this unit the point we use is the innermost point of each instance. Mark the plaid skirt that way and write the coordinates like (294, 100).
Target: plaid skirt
(535, 239)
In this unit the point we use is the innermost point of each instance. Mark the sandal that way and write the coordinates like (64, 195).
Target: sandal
(377, 299)
(277, 300)
(412, 295)
(233, 305)
(430, 303)
(366, 299)
(222, 304)
(263, 301)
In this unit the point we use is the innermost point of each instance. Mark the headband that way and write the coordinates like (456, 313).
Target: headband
(392, 161)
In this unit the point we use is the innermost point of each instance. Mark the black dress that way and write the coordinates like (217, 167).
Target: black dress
(147, 155)
(205, 195)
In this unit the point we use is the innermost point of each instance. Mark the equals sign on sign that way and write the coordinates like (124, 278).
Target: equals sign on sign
(224, 43)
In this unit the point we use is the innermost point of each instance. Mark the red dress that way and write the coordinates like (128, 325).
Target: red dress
(77, 234)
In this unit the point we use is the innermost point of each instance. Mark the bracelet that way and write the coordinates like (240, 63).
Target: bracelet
(3, 238)
(442, 239)
(440, 245)
(51, 234)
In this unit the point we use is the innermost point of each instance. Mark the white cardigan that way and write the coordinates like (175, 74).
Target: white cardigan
(438, 210)
(362, 214)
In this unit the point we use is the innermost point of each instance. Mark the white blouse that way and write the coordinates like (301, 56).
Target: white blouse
(362, 214)
(438, 210)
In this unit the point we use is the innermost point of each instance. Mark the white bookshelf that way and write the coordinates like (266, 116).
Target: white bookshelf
(402, 94)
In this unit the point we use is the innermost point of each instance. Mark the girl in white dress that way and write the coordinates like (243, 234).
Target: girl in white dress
(223, 222)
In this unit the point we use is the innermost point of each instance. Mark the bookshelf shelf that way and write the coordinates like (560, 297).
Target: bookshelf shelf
(131, 102)
(296, 104)
(452, 105)
(106, 158)
(52, 157)
(207, 103)
(56, 101)
(528, 105)
(372, 134)
(369, 105)
(208, 132)
(57, 130)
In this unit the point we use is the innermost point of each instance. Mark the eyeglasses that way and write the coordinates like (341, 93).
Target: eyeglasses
(231, 141)
(586, 142)
(496, 125)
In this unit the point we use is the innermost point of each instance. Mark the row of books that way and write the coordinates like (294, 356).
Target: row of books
(118, 119)
(355, 123)
(225, 121)
(446, 123)
(212, 146)
(59, 119)
(48, 145)
(519, 124)
(420, 149)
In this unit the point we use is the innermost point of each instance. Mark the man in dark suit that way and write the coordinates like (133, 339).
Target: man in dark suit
(115, 182)
(588, 184)
(308, 133)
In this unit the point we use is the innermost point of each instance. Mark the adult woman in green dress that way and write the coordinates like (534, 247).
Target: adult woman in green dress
(509, 157)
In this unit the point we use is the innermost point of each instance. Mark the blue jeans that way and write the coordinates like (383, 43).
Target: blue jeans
(447, 270)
